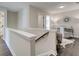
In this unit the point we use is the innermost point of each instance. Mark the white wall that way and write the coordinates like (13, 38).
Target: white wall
(26, 17)
(23, 18)
(36, 17)
(12, 19)
(74, 21)
(19, 19)
(29, 16)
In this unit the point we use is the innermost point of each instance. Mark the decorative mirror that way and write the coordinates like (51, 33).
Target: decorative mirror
(66, 19)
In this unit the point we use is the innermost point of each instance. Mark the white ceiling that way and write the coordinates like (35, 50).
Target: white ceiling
(51, 7)
(12, 6)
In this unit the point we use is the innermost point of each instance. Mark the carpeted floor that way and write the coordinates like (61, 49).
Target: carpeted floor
(4, 51)
(71, 49)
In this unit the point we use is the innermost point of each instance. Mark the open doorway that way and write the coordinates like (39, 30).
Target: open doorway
(44, 21)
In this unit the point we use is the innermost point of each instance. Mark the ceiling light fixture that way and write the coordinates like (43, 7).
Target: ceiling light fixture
(61, 6)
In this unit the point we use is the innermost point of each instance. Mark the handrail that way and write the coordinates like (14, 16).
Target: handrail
(26, 34)
(42, 36)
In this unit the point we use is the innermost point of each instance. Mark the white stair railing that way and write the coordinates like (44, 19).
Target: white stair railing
(20, 43)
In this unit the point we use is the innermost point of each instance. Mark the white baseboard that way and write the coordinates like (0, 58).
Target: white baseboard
(11, 50)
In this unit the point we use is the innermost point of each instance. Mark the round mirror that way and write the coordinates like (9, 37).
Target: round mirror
(66, 19)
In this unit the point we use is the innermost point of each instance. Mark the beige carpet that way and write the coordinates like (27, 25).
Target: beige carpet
(4, 51)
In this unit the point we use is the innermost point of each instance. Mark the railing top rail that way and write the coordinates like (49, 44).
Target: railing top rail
(26, 34)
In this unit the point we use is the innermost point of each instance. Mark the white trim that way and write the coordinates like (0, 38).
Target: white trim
(26, 34)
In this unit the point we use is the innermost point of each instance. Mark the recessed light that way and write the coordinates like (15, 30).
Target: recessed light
(61, 6)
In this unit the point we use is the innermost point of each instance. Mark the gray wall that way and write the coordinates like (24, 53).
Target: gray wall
(27, 17)
(12, 18)
(74, 20)
(35, 13)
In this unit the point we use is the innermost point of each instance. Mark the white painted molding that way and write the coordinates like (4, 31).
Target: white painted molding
(22, 33)
(26, 34)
